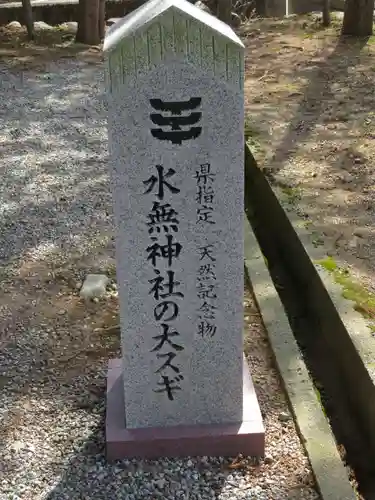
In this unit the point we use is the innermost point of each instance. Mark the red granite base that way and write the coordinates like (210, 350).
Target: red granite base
(246, 437)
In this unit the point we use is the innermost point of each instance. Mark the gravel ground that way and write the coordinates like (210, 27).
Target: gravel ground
(56, 225)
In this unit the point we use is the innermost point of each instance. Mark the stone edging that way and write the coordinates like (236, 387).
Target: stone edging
(314, 429)
(354, 322)
(355, 326)
(338, 325)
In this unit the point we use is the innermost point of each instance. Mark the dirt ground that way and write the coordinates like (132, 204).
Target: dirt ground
(310, 105)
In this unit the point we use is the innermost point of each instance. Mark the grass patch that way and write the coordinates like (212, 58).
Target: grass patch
(252, 137)
(292, 194)
(352, 290)
(329, 264)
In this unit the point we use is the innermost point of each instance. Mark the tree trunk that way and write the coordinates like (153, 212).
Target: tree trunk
(358, 18)
(101, 19)
(88, 22)
(260, 8)
(224, 11)
(80, 21)
(326, 11)
(28, 18)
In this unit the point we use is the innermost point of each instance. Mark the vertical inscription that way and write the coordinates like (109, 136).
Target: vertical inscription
(165, 247)
(205, 194)
(162, 223)
(206, 273)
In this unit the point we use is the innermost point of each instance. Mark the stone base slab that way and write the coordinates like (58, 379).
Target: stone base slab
(246, 437)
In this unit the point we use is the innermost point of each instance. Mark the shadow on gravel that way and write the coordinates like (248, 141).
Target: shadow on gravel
(54, 164)
(87, 475)
(55, 201)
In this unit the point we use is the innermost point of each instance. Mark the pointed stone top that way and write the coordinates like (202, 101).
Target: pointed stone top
(147, 13)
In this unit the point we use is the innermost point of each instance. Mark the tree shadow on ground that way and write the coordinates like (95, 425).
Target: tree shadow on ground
(17, 51)
(310, 107)
(56, 204)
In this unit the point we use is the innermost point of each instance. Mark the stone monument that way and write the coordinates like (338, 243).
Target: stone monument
(174, 80)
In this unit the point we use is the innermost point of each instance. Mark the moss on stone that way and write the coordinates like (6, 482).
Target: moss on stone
(352, 290)
(319, 398)
(328, 263)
